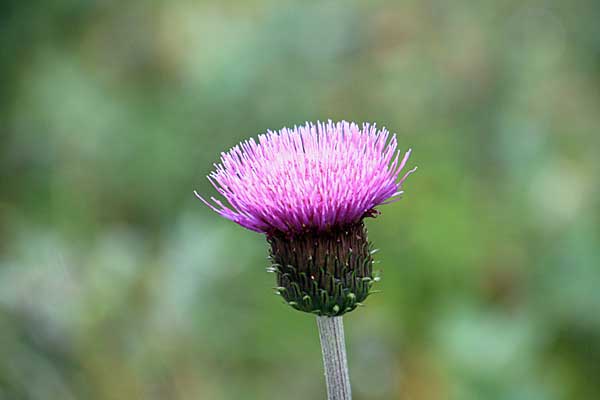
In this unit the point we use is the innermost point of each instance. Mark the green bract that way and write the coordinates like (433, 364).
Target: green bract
(326, 273)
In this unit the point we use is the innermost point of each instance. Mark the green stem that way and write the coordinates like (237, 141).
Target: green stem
(333, 346)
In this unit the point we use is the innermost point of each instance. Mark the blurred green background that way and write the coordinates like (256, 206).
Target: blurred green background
(116, 283)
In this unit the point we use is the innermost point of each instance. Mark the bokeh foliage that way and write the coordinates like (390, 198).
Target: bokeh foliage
(115, 283)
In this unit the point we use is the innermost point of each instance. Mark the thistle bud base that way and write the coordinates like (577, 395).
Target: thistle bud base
(327, 274)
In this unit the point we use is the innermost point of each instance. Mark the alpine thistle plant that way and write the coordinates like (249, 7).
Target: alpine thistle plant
(308, 189)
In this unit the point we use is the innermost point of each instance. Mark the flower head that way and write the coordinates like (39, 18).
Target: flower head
(312, 178)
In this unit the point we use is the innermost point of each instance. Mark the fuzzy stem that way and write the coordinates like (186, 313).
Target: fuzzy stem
(333, 346)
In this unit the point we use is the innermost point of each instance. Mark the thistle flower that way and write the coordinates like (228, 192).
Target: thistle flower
(309, 189)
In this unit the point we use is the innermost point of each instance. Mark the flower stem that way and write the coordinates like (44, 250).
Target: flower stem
(333, 346)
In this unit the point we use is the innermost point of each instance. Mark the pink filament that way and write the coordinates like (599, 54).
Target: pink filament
(312, 177)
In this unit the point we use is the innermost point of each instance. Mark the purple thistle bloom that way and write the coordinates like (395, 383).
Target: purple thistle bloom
(311, 178)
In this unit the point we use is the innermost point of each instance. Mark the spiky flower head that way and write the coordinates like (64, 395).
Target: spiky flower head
(308, 189)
